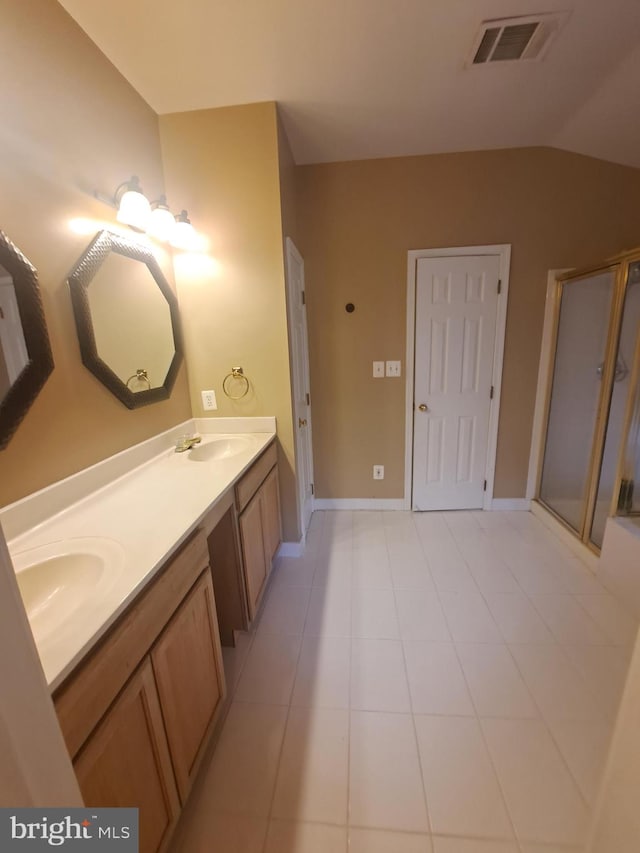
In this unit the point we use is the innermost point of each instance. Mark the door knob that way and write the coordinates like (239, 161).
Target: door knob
(302, 422)
(423, 407)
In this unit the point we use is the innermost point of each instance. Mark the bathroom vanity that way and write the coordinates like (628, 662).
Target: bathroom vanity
(187, 542)
(137, 712)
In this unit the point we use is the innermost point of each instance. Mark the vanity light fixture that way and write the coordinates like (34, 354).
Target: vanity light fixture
(133, 206)
(154, 219)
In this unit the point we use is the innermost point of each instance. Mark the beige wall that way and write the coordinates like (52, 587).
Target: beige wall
(70, 124)
(223, 163)
(358, 220)
(289, 218)
(288, 188)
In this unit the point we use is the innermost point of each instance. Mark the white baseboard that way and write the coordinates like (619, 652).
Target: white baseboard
(395, 504)
(291, 549)
(510, 505)
(572, 542)
(360, 503)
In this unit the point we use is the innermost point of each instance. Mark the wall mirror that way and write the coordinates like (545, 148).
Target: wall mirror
(127, 320)
(25, 351)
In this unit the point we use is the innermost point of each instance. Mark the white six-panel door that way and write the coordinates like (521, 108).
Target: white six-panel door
(456, 306)
(299, 345)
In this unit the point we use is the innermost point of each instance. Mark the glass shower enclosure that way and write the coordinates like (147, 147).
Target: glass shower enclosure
(597, 319)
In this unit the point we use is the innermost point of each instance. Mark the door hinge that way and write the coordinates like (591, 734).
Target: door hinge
(499, 286)
(308, 399)
(312, 490)
(491, 393)
(304, 298)
(484, 488)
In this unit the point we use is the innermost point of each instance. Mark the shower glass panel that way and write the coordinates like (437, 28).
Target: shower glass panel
(632, 468)
(630, 487)
(619, 396)
(581, 345)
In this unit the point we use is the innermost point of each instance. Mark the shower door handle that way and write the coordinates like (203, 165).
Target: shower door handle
(620, 373)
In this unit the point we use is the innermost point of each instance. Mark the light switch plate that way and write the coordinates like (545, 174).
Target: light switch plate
(209, 402)
(393, 368)
(378, 369)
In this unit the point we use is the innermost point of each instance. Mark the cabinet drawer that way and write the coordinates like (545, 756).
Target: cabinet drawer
(83, 699)
(249, 484)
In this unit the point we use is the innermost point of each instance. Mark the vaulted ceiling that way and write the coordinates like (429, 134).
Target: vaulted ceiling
(358, 79)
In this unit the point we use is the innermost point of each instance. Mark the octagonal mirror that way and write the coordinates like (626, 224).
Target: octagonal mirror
(127, 320)
(25, 351)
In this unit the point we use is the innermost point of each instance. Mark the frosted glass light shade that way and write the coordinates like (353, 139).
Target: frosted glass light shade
(134, 210)
(184, 235)
(161, 223)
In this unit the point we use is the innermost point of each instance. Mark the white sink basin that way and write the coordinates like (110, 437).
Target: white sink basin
(221, 447)
(60, 581)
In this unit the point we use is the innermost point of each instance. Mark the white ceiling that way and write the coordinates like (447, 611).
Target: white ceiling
(379, 78)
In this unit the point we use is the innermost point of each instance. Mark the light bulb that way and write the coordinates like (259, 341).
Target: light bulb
(184, 235)
(161, 223)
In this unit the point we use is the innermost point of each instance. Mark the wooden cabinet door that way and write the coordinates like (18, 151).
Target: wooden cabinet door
(255, 567)
(187, 662)
(126, 763)
(271, 516)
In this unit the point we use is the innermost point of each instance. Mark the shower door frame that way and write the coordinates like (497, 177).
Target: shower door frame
(620, 267)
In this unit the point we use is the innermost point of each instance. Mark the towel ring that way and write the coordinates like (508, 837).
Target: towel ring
(236, 373)
(142, 376)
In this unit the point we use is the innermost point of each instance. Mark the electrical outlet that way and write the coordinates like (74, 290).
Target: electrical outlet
(378, 369)
(378, 472)
(393, 368)
(209, 402)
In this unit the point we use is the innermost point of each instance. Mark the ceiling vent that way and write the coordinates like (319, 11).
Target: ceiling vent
(514, 39)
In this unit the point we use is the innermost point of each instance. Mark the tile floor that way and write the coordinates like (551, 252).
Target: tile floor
(417, 683)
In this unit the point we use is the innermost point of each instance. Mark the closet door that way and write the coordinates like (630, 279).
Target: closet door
(570, 449)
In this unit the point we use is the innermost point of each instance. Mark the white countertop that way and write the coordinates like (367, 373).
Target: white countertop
(149, 512)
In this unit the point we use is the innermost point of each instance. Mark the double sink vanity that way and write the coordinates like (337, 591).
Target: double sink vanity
(133, 574)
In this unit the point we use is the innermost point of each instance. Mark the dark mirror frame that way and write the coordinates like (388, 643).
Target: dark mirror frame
(80, 279)
(19, 398)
